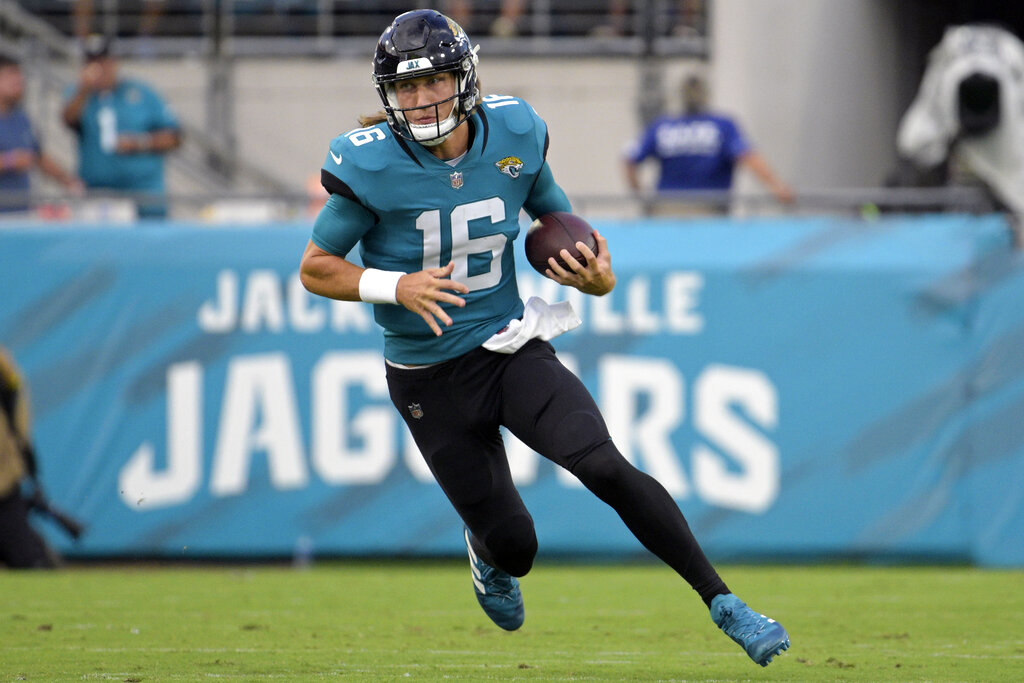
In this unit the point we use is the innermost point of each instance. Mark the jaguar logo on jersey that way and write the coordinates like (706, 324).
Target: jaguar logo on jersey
(416, 410)
(456, 178)
(510, 166)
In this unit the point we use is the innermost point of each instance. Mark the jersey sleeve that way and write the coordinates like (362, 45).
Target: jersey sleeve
(736, 144)
(340, 224)
(161, 116)
(642, 148)
(546, 195)
(166, 117)
(348, 174)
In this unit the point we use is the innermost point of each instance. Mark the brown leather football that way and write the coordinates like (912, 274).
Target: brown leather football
(552, 232)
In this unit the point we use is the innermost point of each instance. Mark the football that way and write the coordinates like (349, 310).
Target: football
(551, 233)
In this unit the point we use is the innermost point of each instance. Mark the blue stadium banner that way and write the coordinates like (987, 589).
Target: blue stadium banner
(804, 387)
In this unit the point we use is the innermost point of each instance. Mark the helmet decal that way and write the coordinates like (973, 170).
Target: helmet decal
(412, 65)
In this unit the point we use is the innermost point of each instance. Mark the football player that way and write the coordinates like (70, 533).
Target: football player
(431, 191)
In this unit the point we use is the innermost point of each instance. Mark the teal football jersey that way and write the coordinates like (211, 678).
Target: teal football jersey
(409, 211)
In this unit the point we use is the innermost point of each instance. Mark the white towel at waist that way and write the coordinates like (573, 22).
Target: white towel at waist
(540, 320)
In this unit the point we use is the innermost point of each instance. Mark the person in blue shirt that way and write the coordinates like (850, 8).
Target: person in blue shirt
(124, 129)
(430, 192)
(698, 151)
(20, 149)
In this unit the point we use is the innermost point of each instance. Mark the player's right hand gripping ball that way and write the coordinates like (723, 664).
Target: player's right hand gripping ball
(551, 233)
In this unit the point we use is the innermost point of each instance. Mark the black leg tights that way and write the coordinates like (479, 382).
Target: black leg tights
(552, 412)
(650, 513)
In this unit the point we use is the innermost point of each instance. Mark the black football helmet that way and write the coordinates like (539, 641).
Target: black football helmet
(420, 43)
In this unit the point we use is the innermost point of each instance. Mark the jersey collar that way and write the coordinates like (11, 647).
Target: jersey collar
(478, 135)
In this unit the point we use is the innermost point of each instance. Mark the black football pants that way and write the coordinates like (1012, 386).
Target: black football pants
(454, 410)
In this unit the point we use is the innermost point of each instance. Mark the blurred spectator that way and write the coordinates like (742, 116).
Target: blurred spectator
(316, 195)
(20, 150)
(967, 121)
(124, 129)
(688, 21)
(20, 545)
(698, 151)
(461, 11)
(84, 11)
(505, 25)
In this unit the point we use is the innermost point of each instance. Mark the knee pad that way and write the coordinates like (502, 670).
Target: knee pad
(513, 545)
(579, 431)
(604, 471)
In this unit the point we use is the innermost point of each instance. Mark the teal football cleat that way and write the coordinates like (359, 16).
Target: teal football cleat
(496, 591)
(762, 638)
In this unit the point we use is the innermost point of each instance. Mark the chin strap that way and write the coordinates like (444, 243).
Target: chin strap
(434, 142)
(429, 129)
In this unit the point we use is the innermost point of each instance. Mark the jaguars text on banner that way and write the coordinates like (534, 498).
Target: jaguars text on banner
(802, 387)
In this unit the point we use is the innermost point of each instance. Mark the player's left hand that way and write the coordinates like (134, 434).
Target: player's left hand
(594, 278)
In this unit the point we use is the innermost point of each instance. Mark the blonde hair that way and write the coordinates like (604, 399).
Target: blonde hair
(372, 119)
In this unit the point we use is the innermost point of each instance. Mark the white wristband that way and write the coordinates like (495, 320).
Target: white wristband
(379, 286)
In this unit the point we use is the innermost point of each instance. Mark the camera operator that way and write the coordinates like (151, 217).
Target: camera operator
(20, 545)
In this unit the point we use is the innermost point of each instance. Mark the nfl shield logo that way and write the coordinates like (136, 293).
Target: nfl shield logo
(456, 177)
(415, 410)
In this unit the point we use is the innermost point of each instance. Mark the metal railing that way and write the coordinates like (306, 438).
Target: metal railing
(207, 155)
(222, 31)
(259, 207)
(322, 27)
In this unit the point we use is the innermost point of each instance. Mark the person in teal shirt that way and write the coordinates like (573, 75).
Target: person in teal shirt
(124, 130)
(431, 191)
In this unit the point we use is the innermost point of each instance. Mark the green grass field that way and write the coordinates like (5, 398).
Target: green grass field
(419, 621)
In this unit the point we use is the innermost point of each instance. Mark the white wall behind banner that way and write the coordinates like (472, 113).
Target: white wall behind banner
(816, 86)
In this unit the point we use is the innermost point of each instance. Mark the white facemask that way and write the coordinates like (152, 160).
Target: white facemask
(433, 134)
